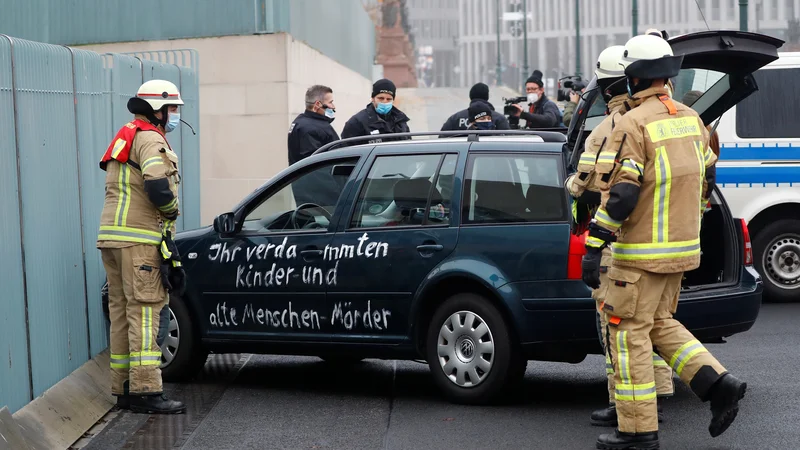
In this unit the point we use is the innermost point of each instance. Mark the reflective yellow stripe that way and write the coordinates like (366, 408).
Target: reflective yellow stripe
(609, 365)
(146, 358)
(588, 158)
(606, 156)
(684, 354)
(120, 361)
(602, 216)
(592, 241)
(575, 210)
(666, 129)
(118, 146)
(635, 392)
(622, 356)
(128, 234)
(658, 361)
(632, 252)
(151, 161)
(661, 198)
(165, 253)
(169, 206)
(632, 167)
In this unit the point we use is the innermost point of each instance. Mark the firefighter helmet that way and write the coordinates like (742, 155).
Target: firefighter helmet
(158, 93)
(608, 63)
(649, 57)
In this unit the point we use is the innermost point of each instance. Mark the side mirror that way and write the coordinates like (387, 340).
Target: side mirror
(342, 170)
(225, 223)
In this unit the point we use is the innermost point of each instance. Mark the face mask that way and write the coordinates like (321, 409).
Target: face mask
(330, 113)
(628, 84)
(383, 108)
(174, 121)
(533, 97)
(484, 125)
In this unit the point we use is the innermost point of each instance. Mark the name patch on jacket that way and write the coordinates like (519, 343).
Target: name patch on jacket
(662, 130)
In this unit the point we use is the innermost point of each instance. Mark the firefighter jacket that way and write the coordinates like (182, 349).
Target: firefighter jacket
(141, 199)
(652, 175)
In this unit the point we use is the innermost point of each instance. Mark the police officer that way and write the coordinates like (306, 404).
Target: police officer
(312, 129)
(479, 93)
(611, 82)
(379, 117)
(542, 112)
(480, 117)
(141, 262)
(652, 176)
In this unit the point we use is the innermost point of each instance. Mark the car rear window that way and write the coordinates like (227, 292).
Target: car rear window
(513, 188)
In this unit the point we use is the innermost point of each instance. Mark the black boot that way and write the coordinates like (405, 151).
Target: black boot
(156, 404)
(607, 417)
(124, 400)
(725, 396)
(625, 441)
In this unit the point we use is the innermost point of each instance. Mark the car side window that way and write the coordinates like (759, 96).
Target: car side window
(406, 190)
(306, 201)
(513, 189)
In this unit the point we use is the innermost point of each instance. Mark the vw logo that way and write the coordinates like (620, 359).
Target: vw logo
(467, 348)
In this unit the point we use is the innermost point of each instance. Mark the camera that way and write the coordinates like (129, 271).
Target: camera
(568, 85)
(509, 110)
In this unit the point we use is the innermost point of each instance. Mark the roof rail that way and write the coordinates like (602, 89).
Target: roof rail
(471, 135)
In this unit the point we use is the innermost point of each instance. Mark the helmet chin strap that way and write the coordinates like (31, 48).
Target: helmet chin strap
(643, 84)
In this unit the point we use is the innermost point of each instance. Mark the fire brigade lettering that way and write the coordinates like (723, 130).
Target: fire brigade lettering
(343, 316)
(270, 265)
(665, 129)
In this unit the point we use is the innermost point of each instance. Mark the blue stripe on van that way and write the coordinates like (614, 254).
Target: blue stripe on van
(760, 176)
(760, 151)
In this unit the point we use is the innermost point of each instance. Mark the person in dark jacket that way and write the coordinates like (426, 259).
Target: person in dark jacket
(312, 129)
(480, 117)
(478, 94)
(379, 117)
(542, 112)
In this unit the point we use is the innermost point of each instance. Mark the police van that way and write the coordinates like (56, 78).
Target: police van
(759, 173)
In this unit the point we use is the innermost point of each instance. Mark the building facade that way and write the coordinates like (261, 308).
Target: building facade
(435, 25)
(552, 25)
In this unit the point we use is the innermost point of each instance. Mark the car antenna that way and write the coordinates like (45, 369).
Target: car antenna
(702, 15)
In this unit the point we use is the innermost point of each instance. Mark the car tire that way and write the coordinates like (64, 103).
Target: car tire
(191, 355)
(776, 255)
(470, 348)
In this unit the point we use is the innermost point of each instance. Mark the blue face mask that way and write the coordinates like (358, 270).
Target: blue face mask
(484, 125)
(173, 122)
(384, 108)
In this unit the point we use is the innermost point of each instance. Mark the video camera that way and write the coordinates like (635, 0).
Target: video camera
(568, 85)
(509, 110)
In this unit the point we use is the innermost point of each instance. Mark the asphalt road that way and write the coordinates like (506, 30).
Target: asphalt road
(266, 402)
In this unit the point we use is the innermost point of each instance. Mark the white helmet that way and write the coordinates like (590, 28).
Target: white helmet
(650, 57)
(608, 63)
(159, 93)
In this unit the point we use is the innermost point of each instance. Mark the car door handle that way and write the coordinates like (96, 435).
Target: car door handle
(311, 254)
(430, 248)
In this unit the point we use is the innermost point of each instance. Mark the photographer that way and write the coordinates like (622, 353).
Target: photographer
(542, 112)
(569, 108)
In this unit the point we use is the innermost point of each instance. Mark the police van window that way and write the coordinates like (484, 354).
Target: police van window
(513, 189)
(397, 190)
(317, 191)
(767, 113)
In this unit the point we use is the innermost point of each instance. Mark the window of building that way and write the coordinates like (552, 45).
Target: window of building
(408, 190)
(766, 113)
(513, 188)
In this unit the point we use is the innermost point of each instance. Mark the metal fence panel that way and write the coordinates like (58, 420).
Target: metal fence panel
(190, 163)
(94, 131)
(50, 212)
(14, 374)
(126, 77)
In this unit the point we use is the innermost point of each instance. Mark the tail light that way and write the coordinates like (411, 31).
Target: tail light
(748, 246)
(577, 248)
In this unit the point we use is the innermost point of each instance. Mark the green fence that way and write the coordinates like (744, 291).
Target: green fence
(59, 108)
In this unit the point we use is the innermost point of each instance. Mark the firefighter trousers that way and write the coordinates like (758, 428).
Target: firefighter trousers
(136, 297)
(662, 371)
(641, 322)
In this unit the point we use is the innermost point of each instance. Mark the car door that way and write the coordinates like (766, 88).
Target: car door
(716, 64)
(402, 225)
(266, 280)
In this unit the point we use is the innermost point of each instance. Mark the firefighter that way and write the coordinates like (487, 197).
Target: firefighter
(611, 82)
(135, 241)
(652, 177)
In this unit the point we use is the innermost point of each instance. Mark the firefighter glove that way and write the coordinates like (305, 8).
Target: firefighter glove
(177, 279)
(591, 267)
(165, 278)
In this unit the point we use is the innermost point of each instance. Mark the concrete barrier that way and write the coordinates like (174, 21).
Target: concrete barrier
(60, 416)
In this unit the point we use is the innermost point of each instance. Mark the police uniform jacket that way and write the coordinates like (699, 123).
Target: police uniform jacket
(460, 120)
(369, 122)
(308, 132)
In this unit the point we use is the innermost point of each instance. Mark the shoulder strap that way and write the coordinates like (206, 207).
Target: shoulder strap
(667, 101)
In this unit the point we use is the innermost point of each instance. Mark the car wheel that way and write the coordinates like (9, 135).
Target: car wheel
(471, 354)
(776, 251)
(182, 354)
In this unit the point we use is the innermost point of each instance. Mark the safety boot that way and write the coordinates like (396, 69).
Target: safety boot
(725, 396)
(625, 441)
(124, 400)
(607, 417)
(156, 404)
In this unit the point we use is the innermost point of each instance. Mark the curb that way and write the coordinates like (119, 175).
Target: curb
(63, 413)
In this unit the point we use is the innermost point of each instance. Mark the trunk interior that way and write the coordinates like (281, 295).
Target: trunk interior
(718, 250)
